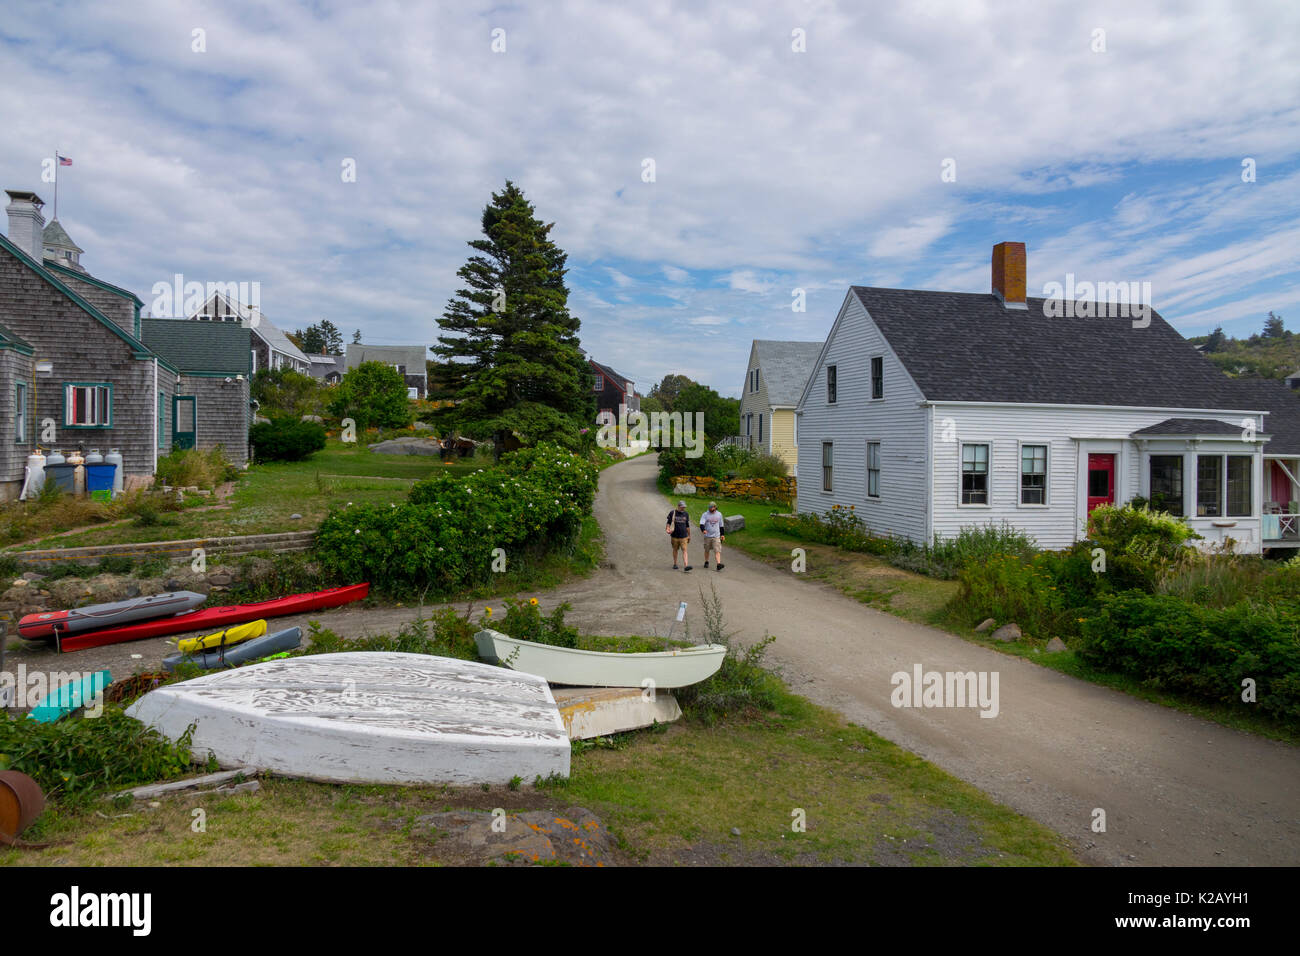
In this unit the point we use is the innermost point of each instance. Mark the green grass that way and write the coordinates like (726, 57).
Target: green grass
(267, 494)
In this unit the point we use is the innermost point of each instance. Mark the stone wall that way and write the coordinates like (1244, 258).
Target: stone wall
(749, 489)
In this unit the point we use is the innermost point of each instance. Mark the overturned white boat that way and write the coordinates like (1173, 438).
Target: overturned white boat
(680, 667)
(360, 717)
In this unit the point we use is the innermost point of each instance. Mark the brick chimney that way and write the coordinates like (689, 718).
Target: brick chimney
(26, 222)
(1009, 274)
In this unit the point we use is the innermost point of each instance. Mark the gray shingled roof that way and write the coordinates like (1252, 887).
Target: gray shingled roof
(1190, 426)
(54, 235)
(411, 356)
(968, 347)
(618, 378)
(785, 367)
(221, 347)
(1282, 423)
(265, 330)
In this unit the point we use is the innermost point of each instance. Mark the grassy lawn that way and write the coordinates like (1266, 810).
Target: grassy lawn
(923, 599)
(267, 494)
(668, 795)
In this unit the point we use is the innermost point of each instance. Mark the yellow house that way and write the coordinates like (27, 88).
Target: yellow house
(774, 380)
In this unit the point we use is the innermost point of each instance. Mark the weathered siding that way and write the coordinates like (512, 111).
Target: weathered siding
(14, 367)
(1070, 434)
(222, 412)
(118, 308)
(896, 421)
(82, 349)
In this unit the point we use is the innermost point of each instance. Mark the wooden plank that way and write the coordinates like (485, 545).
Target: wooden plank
(189, 783)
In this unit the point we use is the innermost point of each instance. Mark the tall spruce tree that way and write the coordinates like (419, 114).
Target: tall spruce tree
(510, 348)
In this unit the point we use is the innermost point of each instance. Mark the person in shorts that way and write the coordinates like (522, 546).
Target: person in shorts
(679, 531)
(711, 526)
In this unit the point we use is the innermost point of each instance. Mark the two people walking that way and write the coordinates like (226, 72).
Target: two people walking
(679, 532)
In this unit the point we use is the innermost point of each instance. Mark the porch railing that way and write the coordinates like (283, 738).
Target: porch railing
(740, 441)
(1281, 521)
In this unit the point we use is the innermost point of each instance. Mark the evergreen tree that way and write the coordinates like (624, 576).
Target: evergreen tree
(332, 337)
(356, 337)
(311, 340)
(1216, 340)
(1273, 328)
(510, 346)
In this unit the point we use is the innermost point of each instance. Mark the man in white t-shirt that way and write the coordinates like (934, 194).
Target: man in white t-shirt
(711, 525)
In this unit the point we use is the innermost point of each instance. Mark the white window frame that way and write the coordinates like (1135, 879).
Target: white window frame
(828, 486)
(1020, 473)
(877, 470)
(988, 475)
(599, 384)
(20, 413)
(105, 407)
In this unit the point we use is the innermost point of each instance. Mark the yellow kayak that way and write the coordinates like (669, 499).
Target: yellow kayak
(231, 635)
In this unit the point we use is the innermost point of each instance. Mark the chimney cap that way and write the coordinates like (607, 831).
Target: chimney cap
(24, 195)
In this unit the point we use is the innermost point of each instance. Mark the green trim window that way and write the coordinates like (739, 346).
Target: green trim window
(162, 423)
(20, 412)
(87, 405)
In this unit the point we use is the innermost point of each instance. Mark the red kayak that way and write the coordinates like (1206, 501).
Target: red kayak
(215, 618)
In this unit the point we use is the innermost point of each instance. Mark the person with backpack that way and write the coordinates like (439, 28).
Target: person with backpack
(679, 531)
(711, 526)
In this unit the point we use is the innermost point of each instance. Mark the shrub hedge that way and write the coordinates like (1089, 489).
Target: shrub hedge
(285, 439)
(443, 537)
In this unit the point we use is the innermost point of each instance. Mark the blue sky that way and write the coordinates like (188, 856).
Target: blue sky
(775, 169)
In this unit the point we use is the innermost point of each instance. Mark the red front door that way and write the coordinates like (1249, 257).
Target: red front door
(1101, 481)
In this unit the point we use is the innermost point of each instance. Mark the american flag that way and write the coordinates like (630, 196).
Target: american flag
(64, 161)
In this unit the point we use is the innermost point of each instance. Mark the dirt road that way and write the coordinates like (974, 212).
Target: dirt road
(1175, 790)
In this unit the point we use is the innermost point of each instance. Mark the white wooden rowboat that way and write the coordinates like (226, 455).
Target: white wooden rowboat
(362, 717)
(679, 667)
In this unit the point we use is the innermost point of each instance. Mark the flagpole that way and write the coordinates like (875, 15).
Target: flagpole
(56, 183)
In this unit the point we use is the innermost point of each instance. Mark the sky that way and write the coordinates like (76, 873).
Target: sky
(701, 161)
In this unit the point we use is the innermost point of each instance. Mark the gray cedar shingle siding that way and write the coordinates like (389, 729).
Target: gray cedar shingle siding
(968, 347)
(222, 415)
(82, 349)
(115, 305)
(14, 367)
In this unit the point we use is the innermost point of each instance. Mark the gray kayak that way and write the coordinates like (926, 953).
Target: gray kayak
(94, 617)
(240, 653)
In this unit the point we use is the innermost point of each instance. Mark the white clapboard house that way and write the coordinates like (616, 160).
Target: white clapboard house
(930, 411)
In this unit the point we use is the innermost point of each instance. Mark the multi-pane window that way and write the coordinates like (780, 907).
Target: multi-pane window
(20, 412)
(1033, 474)
(1209, 486)
(598, 382)
(760, 426)
(162, 423)
(873, 469)
(828, 463)
(753, 380)
(878, 377)
(1239, 484)
(830, 384)
(1166, 491)
(88, 405)
(974, 474)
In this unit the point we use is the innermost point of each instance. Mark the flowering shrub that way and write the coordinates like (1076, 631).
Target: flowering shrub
(524, 620)
(443, 537)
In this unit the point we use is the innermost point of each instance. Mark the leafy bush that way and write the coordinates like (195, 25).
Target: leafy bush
(1204, 652)
(444, 536)
(523, 619)
(741, 686)
(1008, 587)
(1139, 543)
(284, 393)
(285, 439)
(80, 755)
(185, 467)
(372, 394)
